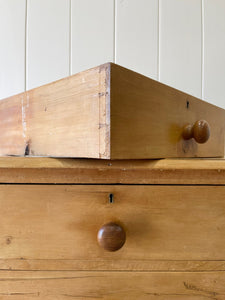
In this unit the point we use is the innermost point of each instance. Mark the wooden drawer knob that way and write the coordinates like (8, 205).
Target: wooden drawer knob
(111, 236)
(200, 131)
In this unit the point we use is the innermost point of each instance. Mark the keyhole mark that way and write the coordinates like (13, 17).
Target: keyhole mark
(111, 198)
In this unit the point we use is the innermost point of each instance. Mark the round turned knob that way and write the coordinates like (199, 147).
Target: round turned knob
(200, 131)
(111, 236)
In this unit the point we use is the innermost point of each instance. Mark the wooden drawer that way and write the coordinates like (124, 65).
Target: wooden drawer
(167, 227)
(109, 112)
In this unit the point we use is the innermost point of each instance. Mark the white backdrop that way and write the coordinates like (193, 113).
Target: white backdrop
(178, 42)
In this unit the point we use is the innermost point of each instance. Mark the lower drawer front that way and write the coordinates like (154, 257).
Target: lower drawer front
(167, 227)
(112, 285)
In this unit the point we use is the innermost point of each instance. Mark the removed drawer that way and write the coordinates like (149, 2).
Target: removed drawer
(110, 112)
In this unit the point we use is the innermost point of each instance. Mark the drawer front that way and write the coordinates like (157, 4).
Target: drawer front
(164, 225)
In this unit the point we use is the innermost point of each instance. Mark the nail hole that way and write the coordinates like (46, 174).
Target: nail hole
(111, 198)
(188, 104)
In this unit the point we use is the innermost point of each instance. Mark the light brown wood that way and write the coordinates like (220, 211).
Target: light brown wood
(164, 171)
(11, 124)
(107, 112)
(148, 117)
(66, 118)
(112, 265)
(112, 285)
(175, 234)
(161, 223)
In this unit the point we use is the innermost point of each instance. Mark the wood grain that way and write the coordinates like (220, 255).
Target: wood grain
(147, 119)
(74, 171)
(112, 265)
(64, 118)
(112, 285)
(161, 222)
(111, 236)
(107, 112)
(12, 137)
(200, 131)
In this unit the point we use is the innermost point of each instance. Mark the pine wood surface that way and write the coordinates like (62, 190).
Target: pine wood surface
(112, 285)
(76, 171)
(112, 265)
(66, 118)
(107, 112)
(148, 117)
(175, 233)
(45, 222)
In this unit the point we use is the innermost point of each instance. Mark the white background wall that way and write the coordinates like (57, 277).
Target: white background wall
(178, 42)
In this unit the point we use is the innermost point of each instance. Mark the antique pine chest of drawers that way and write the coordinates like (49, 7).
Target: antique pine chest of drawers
(59, 218)
(123, 226)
